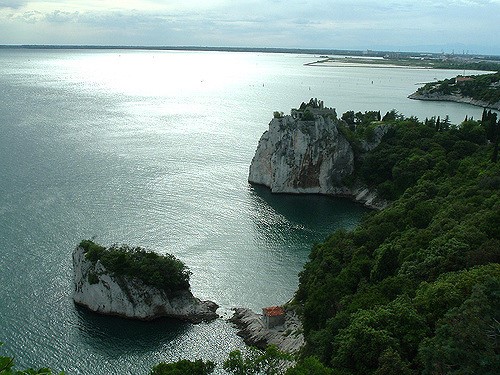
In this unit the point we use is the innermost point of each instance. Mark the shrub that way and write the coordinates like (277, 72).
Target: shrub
(183, 366)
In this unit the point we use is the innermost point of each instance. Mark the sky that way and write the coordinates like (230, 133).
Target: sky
(450, 26)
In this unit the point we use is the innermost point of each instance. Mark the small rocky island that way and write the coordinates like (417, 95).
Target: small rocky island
(135, 283)
(307, 152)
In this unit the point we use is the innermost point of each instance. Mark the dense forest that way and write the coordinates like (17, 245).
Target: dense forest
(484, 87)
(415, 288)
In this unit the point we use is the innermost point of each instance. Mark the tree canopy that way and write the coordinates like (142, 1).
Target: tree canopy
(183, 367)
(165, 272)
(414, 288)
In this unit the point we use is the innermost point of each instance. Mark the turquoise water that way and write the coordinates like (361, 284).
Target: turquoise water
(153, 149)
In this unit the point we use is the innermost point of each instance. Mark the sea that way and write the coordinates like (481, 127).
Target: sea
(152, 149)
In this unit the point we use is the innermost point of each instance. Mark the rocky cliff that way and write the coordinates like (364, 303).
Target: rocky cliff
(104, 293)
(297, 156)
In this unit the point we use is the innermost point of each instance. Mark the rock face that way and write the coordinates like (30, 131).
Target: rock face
(287, 337)
(296, 156)
(101, 292)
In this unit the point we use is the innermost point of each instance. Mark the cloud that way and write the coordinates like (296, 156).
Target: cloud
(59, 16)
(343, 24)
(13, 4)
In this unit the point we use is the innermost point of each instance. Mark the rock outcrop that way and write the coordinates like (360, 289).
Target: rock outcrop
(288, 337)
(104, 293)
(297, 156)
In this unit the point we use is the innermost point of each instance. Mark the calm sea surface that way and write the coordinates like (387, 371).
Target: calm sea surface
(153, 149)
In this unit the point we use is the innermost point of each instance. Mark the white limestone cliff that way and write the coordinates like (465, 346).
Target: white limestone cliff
(101, 292)
(296, 156)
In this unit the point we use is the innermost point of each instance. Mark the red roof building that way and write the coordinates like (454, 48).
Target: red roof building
(273, 316)
(463, 79)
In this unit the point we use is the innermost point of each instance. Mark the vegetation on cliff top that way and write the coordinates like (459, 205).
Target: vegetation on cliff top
(414, 288)
(164, 272)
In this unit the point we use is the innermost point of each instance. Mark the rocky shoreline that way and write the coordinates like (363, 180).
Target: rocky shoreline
(366, 197)
(455, 98)
(288, 337)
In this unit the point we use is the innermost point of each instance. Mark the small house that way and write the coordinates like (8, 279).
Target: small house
(273, 316)
(460, 79)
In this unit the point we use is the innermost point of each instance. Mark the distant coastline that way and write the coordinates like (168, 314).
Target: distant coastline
(354, 62)
(324, 52)
(410, 61)
(456, 99)
(328, 57)
(306, 51)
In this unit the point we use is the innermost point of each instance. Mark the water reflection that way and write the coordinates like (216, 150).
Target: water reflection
(301, 218)
(114, 336)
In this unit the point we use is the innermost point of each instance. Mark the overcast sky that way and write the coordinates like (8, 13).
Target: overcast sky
(404, 25)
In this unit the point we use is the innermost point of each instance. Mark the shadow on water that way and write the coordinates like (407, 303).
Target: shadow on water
(114, 336)
(311, 217)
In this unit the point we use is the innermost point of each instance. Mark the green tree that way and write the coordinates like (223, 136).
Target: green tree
(349, 119)
(307, 116)
(492, 128)
(445, 88)
(396, 326)
(467, 338)
(270, 362)
(238, 364)
(359, 348)
(496, 141)
(7, 368)
(390, 116)
(309, 366)
(183, 367)
(391, 363)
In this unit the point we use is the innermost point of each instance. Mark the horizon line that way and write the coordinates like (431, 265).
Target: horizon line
(359, 52)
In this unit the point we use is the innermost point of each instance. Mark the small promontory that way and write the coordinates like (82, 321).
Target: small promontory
(309, 151)
(281, 327)
(479, 90)
(132, 282)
